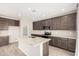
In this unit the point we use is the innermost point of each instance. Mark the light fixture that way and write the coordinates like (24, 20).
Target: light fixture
(62, 9)
(29, 9)
(33, 10)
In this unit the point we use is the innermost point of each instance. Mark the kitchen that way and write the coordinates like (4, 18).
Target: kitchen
(40, 29)
(61, 33)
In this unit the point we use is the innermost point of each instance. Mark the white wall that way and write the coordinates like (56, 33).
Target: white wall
(13, 33)
(26, 22)
(59, 33)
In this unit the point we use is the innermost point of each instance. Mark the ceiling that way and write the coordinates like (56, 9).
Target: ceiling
(38, 11)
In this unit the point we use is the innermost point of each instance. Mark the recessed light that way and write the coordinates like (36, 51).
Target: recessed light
(62, 9)
(29, 9)
(33, 10)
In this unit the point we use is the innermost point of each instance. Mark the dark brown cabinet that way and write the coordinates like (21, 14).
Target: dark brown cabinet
(3, 24)
(58, 42)
(55, 41)
(71, 44)
(55, 24)
(37, 25)
(13, 23)
(65, 43)
(66, 22)
(17, 23)
(4, 40)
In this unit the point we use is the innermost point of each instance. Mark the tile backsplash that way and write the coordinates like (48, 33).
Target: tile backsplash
(59, 33)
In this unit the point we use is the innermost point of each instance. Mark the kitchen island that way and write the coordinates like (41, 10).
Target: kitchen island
(34, 46)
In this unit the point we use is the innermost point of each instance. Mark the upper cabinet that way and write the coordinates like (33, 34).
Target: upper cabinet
(13, 22)
(66, 22)
(55, 23)
(4, 23)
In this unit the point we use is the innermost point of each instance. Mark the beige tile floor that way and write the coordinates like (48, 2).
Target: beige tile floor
(12, 50)
(54, 51)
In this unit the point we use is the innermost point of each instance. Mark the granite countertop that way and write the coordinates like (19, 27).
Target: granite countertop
(34, 41)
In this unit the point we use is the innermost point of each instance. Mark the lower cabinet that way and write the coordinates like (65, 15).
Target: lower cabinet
(4, 41)
(65, 43)
(55, 41)
(60, 42)
(71, 44)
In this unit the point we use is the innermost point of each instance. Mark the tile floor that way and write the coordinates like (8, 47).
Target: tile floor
(12, 50)
(54, 51)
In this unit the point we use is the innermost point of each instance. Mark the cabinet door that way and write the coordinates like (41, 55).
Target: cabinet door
(3, 24)
(71, 25)
(68, 22)
(71, 44)
(17, 23)
(48, 22)
(60, 42)
(11, 22)
(42, 24)
(4, 41)
(64, 43)
(64, 22)
(56, 23)
(39, 23)
(51, 23)
(55, 41)
(36, 25)
(51, 41)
